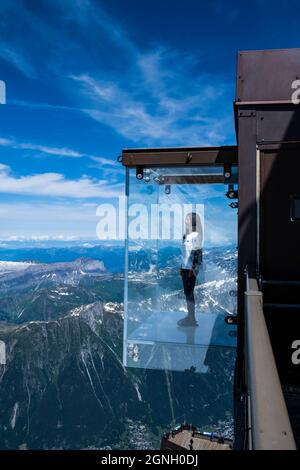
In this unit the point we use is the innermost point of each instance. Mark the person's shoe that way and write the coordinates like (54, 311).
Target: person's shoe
(187, 321)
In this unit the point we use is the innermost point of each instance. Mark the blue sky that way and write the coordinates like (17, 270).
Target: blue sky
(86, 78)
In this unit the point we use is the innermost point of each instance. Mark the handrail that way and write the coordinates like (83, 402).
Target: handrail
(269, 420)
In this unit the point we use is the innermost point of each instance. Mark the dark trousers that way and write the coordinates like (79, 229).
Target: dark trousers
(188, 287)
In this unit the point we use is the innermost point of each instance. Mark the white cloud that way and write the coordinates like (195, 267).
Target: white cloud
(64, 152)
(158, 107)
(16, 58)
(41, 105)
(20, 238)
(56, 151)
(47, 221)
(55, 185)
(5, 142)
(162, 97)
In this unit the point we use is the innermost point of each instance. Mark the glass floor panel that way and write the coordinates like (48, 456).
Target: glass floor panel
(162, 327)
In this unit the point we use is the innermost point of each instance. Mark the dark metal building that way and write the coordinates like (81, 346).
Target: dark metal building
(268, 135)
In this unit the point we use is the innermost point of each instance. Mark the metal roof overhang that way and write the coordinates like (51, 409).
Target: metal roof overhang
(180, 156)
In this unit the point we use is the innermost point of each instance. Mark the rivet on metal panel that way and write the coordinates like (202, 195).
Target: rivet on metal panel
(139, 172)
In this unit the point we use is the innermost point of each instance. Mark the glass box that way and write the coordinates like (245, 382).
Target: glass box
(162, 284)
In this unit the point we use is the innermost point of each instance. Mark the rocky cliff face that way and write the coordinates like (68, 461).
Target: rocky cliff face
(64, 384)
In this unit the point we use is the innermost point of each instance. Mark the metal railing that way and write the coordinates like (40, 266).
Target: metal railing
(269, 423)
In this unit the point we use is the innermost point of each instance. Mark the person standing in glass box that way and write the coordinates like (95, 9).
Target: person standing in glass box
(190, 265)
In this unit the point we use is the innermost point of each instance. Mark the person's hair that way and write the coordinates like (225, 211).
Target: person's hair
(196, 222)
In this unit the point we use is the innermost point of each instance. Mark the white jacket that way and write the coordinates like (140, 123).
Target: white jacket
(191, 251)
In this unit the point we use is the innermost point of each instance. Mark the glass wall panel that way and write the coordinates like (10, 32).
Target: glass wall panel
(181, 273)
